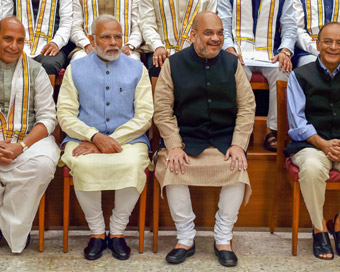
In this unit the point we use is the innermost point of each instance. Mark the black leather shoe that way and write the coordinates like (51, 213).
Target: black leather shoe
(336, 235)
(225, 257)
(119, 248)
(0, 235)
(322, 245)
(178, 255)
(94, 249)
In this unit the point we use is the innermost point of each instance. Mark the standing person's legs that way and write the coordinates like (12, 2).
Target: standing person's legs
(231, 198)
(20, 192)
(314, 169)
(182, 214)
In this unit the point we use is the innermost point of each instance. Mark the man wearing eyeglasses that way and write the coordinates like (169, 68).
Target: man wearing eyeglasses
(105, 107)
(313, 96)
(310, 20)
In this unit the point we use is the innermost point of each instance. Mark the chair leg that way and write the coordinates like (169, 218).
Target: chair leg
(67, 182)
(296, 212)
(276, 201)
(142, 213)
(41, 223)
(156, 193)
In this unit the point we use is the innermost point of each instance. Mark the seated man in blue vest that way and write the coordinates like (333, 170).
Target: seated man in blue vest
(204, 110)
(313, 95)
(310, 18)
(105, 107)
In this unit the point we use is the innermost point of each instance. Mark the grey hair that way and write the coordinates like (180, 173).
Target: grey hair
(100, 19)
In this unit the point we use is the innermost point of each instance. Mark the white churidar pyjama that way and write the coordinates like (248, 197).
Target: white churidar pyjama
(231, 198)
(91, 204)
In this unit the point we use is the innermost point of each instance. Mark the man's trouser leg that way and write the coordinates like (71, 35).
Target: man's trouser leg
(181, 212)
(272, 75)
(306, 59)
(52, 65)
(314, 171)
(125, 201)
(21, 191)
(91, 204)
(231, 198)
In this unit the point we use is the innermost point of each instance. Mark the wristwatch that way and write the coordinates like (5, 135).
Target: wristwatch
(24, 146)
(287, 52)
(131, 46)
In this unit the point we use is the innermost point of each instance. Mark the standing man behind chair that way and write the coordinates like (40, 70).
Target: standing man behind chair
(310, 20)
(86, 11)
(166, 26)
(313, 96)
(28, 155)
(261, 30)
(47, 25)
(105, 107)
(204, 110)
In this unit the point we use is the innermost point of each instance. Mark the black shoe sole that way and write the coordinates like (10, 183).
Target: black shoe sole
(222, 263)
(93, 258)
(118, 257)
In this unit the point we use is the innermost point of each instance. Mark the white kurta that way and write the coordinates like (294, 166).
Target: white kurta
(23, 182)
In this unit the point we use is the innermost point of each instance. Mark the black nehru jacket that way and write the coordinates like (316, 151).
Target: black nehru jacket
(205, 99)
(322, 108)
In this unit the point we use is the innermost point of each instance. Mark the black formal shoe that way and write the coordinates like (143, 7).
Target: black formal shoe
(94, 249)
(178, 255)
(336, 234)
(0, 235)
(322, 245)
(225, 257)
(28, 240)
(119, 248)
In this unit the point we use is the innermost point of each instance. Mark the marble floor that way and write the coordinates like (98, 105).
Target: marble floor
(257, 251)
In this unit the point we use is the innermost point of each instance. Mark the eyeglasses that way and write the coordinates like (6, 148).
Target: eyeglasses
(329, 42)
(107, 38)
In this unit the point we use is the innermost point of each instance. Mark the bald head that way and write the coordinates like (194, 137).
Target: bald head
(12, 39)
(207, 34)
(201, 17)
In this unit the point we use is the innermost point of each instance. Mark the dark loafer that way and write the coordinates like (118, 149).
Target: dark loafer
(322, 245)
(119, 248)
(225, 257)
(94, 249)
(0, 235)
(336, 235)
(178, 255)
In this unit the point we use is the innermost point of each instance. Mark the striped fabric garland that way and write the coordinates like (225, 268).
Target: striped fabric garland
(38, 32)
(176, 35)
(15, 125)
(315, 15)
(122, 11)
(261, 46)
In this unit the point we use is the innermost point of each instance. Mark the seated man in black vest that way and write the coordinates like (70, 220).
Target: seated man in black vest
(204, 110)
(313, 96)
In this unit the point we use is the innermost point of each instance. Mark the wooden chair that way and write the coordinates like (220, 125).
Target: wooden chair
(259, 82)
(68, 182)
(42, 201)
(285, 167)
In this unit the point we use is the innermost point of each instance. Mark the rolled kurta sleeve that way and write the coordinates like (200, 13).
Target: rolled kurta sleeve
(148, 25)
(44, 106)
(164, 116)
(245, 110)
(62, 35)
(142, 119)
(68, 110)
(78, 36)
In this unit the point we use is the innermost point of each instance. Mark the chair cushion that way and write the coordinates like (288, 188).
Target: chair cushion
(258, 78)
(293, 171)
(66, 172)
